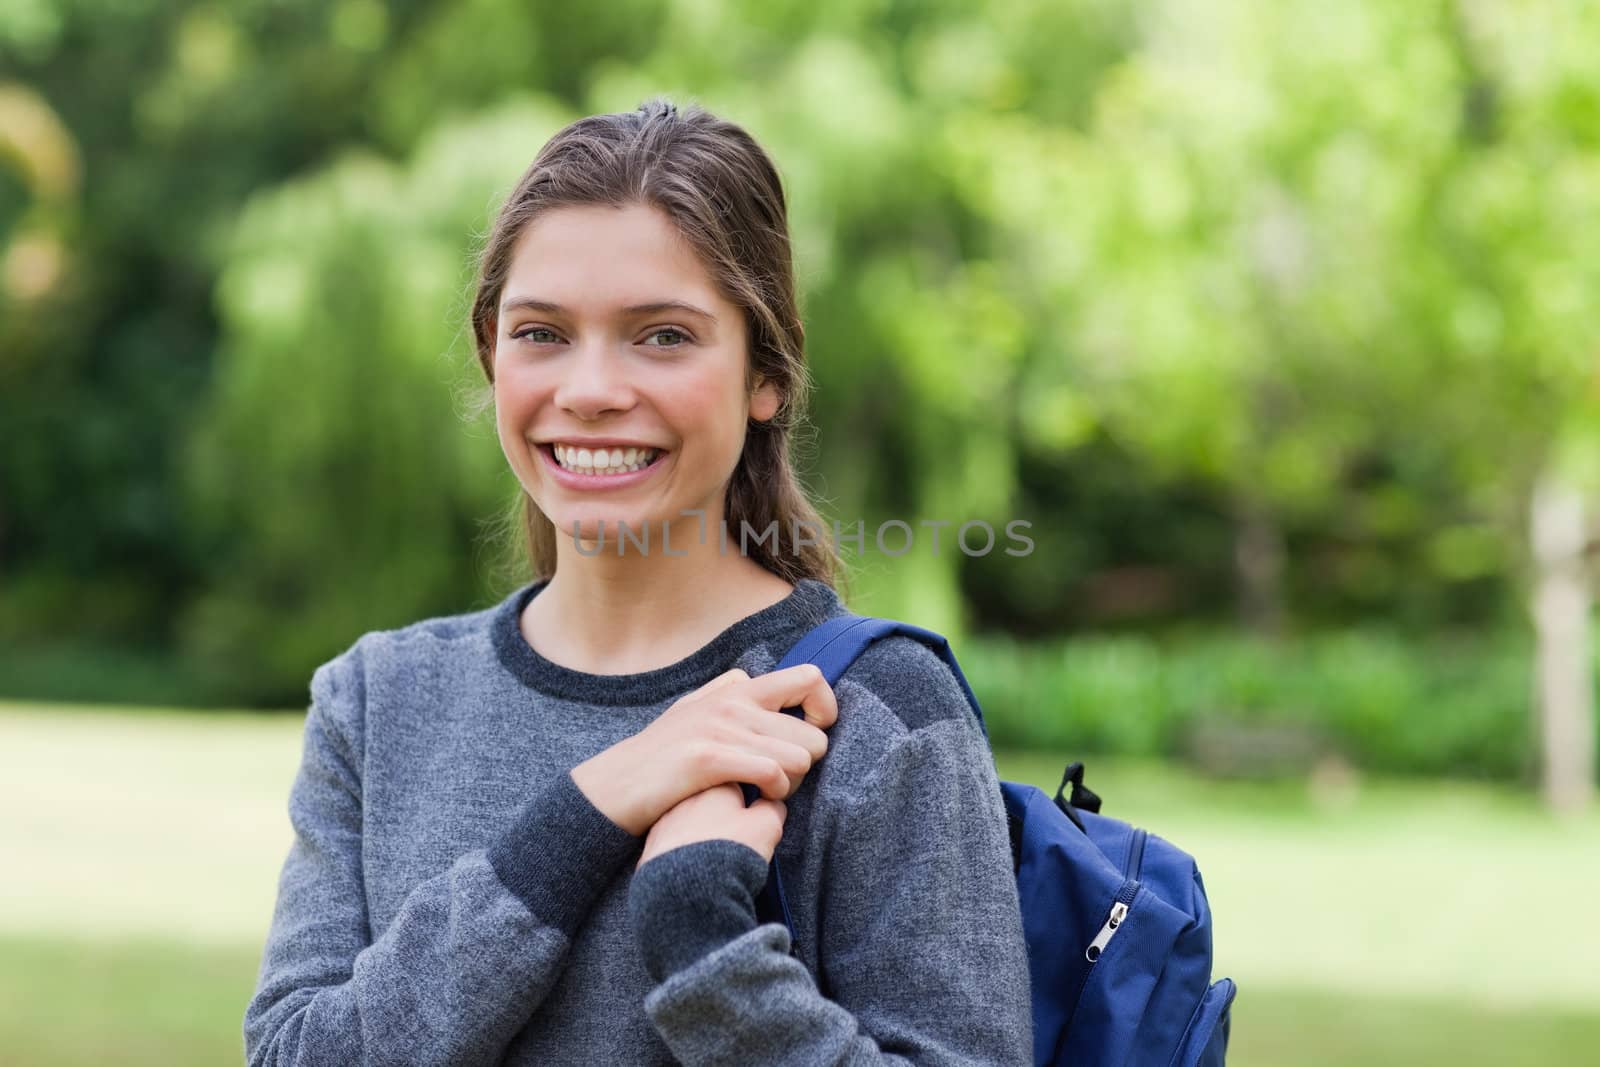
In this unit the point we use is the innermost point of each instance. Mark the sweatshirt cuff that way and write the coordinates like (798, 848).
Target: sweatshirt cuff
(560, 853)
(691, 901)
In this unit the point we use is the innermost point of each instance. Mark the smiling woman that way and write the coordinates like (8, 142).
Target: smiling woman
(594, 367)
(519, 832)
(602, 250)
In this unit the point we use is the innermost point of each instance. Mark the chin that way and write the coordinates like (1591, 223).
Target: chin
(589, 526)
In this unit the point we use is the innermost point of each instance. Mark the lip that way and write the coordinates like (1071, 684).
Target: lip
(591, 482)
(595, 442)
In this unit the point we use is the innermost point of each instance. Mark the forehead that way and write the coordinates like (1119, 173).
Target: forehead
(592, 258)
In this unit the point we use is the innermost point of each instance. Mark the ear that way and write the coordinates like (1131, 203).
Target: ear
(764, 401)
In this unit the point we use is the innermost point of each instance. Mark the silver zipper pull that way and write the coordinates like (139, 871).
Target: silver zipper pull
(1119, 911)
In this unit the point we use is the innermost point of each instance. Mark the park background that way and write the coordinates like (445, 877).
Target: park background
(1278, 319)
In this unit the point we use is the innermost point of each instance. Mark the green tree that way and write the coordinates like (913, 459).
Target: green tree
(340, 476)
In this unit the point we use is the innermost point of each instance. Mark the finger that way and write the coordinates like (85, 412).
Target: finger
(794, 759)
(768, 817)
(759, 720)
(773, 809)
(712, 764)
(737, 674)
(801, 686)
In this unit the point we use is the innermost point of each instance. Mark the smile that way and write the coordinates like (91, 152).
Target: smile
(602, 461)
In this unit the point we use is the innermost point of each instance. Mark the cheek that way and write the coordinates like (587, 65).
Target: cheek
(516, 402)
(516, 394)
(707, 409)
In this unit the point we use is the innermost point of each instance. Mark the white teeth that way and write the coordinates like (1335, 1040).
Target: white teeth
(602, 460)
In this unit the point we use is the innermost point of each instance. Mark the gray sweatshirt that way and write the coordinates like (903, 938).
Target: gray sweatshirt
(452, 897)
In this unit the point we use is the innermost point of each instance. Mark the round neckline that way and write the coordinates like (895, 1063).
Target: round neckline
(808, 603)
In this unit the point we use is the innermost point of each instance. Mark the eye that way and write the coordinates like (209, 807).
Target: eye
(528, 333)
(678, 336)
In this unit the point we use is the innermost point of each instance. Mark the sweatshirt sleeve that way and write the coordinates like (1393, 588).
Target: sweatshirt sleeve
(921, 940)
(471, 952)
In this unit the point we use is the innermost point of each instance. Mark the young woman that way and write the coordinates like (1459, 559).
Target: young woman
(519, 833)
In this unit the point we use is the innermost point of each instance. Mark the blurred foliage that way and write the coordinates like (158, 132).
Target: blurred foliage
(1234, 705)
(1227, 703)
(1257, 311)
(348, 287)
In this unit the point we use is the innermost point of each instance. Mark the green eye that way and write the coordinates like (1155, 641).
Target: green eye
(528, 334)
(670, 331)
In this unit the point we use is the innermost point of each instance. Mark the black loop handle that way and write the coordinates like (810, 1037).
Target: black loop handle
(1082, 796)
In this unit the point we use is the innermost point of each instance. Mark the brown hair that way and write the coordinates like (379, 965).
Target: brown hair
(723, 194)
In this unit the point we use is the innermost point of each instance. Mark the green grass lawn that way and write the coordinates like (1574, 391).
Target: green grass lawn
(1367, 923)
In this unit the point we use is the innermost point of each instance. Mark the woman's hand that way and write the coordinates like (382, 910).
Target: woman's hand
(717, 813)
(729, 730)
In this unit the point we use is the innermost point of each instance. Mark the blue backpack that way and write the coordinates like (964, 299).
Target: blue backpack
(1116, 919)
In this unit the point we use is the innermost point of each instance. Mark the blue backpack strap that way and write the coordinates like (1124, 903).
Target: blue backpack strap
(833, 645)
(836, 643)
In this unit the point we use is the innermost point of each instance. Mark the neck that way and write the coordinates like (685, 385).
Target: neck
(611, 612)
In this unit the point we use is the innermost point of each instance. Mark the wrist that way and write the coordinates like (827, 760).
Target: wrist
(559, 854)
(611, 785)
(690, 901)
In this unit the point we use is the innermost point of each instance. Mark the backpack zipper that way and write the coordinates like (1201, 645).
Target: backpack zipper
(1135, 854)
(1119, 909)
(1113, 923)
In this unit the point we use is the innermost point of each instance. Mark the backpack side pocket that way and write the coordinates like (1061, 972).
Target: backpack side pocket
(1205, 1043)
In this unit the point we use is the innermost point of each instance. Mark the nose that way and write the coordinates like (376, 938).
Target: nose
(594, 383)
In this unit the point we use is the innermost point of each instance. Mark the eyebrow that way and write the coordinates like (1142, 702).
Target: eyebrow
(528, 303)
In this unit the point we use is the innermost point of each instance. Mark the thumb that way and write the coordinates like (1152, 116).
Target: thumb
(770, 812)
(728, 677)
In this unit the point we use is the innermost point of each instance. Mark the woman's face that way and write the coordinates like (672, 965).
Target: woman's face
(619, 373)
